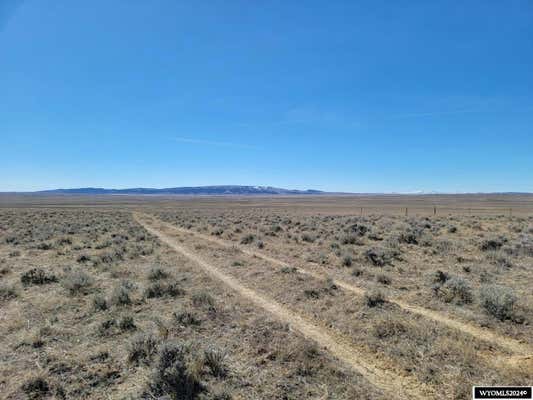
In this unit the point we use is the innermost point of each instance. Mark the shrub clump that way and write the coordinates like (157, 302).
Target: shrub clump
(77, 282)
(500, 258)
(100, 303)
(217, 232)
(312, 293)
(383, 279)
(329, 288)
(121, 296)
(410, 236)
(83, 258)
(142, 349)
(247, 239)
(498, 301)
(157, 273)
(203, 299)
(36, 388)
(379, 257)
(37, 276)
(389, 327)
(174, 374)
(289, 270)
(360, 229)
(308, 238)
(126, 323)
(214, 359)
(158, 289)
(7, 292)
(375, 298)
(440, 277)
(186, 318)
(107, 327)
(347, 261)
(455, 289)
(492, 244)
(350, 239)
(45, 246)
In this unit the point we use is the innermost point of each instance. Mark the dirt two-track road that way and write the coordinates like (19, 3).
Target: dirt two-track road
(510, 344)
(396, 386)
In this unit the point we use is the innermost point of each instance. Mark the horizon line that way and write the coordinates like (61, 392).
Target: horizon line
(308, 191)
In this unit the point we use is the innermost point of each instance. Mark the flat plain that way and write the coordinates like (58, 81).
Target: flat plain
(315, 297)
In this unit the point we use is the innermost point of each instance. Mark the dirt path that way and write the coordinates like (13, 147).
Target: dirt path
(396, 386)
(509, 344)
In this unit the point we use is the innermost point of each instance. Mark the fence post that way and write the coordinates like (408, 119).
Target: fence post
(434, 210)
(406, 212)
(361, 211)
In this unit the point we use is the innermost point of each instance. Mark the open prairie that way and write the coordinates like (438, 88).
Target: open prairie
(315, 297)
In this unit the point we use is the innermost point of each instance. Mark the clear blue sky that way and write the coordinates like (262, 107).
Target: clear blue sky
(352, 96)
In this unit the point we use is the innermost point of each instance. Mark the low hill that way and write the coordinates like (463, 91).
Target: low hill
(194, 190)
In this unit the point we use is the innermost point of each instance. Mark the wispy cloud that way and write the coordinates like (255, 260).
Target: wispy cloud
(316, 115)
(435, 113)
(355, 119)
(463, 111)
(214, 143)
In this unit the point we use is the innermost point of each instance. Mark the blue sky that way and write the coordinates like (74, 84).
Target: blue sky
(377, 96)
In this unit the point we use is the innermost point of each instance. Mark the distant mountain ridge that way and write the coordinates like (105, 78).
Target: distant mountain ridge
(192, 190)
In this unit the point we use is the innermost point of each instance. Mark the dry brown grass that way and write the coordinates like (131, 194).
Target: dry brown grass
(67, 338)
(94, 306)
